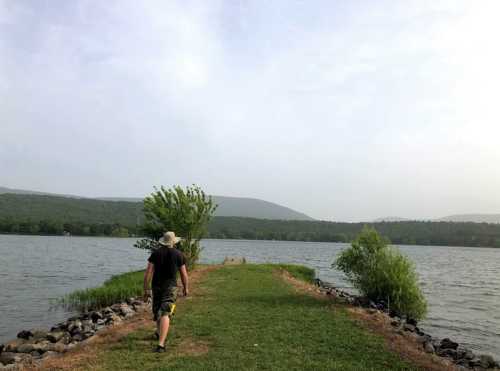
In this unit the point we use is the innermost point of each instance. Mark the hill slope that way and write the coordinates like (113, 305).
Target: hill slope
(228, 206)
(474, 218)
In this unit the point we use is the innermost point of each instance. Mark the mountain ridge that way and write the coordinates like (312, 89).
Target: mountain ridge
(228, 206)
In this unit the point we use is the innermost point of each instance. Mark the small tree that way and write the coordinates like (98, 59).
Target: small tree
(184, 211)
(381, 272)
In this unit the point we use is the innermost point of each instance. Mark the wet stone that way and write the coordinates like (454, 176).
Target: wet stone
(448, 344)
(429, 348)
(55, 336)
(12, 345)
(24, 334)
(409, 327)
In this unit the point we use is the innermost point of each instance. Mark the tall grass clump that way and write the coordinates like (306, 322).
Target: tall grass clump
(117, 289)
(381, 272)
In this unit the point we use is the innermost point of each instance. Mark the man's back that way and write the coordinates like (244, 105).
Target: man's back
(166, 261)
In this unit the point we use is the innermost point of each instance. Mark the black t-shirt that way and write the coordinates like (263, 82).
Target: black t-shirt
(167, 262)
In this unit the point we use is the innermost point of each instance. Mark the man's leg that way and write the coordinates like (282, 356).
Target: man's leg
(163, 325)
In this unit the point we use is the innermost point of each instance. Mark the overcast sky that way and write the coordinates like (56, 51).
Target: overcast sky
(344, 110)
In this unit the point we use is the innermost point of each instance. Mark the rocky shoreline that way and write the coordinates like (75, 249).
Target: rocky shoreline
(446, 348)
(33, 346)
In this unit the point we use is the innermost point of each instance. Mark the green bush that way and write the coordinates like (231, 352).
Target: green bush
(381, 272)
(187, 212)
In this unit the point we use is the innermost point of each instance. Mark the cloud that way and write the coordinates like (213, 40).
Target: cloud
(346, 111)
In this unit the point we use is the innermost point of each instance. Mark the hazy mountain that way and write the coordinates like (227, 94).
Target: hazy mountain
(475, 218)
(228, 206)
(391, 219)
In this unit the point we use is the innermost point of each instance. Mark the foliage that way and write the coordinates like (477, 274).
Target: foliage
(380, 272)
(115, 290)
(51, 215)
(187, 212)
(253, 320)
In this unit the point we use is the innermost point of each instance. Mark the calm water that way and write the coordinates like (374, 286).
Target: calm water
(462, 285)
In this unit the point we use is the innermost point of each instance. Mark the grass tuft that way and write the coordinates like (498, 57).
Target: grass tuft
(116, 289)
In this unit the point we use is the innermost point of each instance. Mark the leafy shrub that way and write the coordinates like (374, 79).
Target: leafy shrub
(381, 272)
(187, 212)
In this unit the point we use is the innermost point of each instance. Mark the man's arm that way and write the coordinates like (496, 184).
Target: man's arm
(148, 274)
(185, 279)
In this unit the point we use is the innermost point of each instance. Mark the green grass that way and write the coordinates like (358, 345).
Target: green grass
(250, 319)
(117, 289)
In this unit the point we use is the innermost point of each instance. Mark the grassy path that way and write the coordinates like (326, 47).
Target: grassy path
(248, 317)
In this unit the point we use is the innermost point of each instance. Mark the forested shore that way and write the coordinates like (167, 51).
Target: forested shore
(407, 232)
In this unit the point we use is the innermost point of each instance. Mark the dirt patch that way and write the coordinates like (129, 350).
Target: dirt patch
(85, 355)
(405, 344)
(191, 347)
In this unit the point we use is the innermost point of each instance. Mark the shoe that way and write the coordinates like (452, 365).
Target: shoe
(160, 349)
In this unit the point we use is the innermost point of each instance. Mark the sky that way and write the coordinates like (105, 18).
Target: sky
(343, 110)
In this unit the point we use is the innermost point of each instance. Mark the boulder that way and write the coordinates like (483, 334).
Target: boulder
(447, 352)
(8, 358)
(11, 367)
(57, 347)
(126, 311)
(12, 345)
(39, 334)
(448, 344)
(95, 316)
(49, 354)
(24, 334)
(55, 336)
(77, 337)
(26, 348)
(409, 327)
(42, 346)
(1, 348)
(411, 321)
(395, 323)
(487, 361)
(428, 347)
(107, 310)
(117, 307)
(422, 339)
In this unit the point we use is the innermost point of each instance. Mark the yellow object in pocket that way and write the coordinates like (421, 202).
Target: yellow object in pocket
(172, 309)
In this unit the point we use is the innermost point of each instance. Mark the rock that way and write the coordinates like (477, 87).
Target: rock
(39, 334)
(113, 318)
(1, 348)
(8, 358)
(107, 310)
(126, 311)
(36, 354)
(26, 348)
(57, 347)
(447, 352)
(117, 307)
(428, 347)
(78, 337)
(11, 367)
(24, 334)
(372, 311)
(49, 354)
(395, 323)
(468, 354)
(486, 361)
(43, 346)
(409, 327)
(95, 316)
(411, 321)
(422, 339)
(55, 336)
(12, 345)
(448, 344)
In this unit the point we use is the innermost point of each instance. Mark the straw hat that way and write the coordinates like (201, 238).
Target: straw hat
(169, 239)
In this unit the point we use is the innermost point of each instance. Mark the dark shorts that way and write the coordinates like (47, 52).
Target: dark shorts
(164, 301)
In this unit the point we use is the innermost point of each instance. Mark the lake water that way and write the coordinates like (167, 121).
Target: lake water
(462, 285)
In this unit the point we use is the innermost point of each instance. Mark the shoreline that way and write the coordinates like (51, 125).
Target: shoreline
(81, 329)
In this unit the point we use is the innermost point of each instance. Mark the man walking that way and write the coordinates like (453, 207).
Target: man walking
(163, 265)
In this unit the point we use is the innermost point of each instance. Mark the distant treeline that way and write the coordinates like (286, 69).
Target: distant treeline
(404, 233)
(400, 233)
